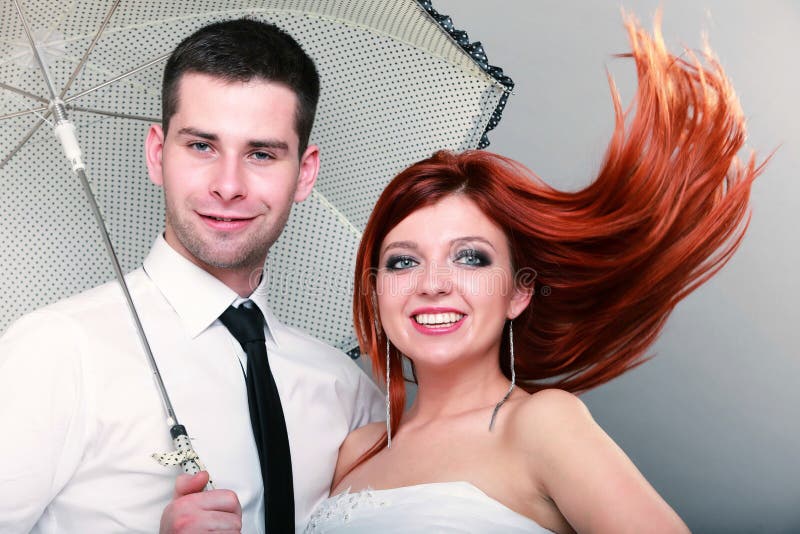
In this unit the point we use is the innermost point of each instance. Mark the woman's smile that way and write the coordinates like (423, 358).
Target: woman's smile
(446, 294)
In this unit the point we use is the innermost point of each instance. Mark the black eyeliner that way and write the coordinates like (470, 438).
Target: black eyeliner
(481, 256)
(391, 261)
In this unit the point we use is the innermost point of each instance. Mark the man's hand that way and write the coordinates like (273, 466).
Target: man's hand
(193, 510)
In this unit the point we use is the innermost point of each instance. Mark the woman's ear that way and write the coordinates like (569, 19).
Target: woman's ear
(520, 299)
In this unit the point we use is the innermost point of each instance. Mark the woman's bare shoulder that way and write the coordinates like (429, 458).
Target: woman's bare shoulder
(550, 409)
(355, 445)
(583, 471)
(362, 439)
(544, 422)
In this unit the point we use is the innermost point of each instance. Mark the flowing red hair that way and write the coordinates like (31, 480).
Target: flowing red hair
(607, 263)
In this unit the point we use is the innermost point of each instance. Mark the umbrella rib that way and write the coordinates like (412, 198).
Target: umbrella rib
(116, 78)
(23, 112)
(114, 114)
(35, 49)
(21, 143)
(339, 215)
(89, 49)
(23, 93)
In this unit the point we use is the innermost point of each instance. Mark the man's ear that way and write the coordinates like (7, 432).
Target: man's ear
(153, 149)
(309, 167)
(520, 299)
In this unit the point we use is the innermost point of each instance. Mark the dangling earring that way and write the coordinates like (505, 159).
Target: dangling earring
(388, 400)
(513, 374)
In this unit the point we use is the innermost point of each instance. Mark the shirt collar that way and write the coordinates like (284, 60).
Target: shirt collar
(259, 296)
(197, 297)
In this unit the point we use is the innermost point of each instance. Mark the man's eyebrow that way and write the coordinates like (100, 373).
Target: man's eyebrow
(269, 143)
(194, 132)
(274, 144)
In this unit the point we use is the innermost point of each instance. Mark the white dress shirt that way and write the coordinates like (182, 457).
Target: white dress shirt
(80, 414)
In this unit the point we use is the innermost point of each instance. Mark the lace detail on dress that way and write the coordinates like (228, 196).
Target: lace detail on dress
(440, 507)
(339, 507)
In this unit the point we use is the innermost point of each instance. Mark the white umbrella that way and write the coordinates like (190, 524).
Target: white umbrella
(398, 82)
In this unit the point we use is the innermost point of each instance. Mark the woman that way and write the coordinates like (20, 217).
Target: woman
(484, 278)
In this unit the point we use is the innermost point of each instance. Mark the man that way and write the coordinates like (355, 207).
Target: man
(79, 410)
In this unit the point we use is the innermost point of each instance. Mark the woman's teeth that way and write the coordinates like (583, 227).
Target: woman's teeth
(438, 319)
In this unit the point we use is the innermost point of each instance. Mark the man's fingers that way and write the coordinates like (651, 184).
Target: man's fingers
(186, 484)
(217, 500)
(222, 521)
(204, 511)
(207, 522)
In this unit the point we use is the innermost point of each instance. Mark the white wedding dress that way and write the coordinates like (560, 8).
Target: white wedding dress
(448, 507)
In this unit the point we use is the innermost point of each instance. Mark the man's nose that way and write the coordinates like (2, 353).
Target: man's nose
(229, 180)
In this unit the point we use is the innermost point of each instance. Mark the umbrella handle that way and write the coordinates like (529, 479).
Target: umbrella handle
(65, 133)
(183, 455)
(192, 465)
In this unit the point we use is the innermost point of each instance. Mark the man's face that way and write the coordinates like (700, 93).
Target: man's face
(230, 171)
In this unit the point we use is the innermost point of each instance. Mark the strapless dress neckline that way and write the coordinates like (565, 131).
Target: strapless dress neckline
(436, 507)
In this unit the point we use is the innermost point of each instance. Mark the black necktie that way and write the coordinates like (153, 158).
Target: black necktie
(246, 323)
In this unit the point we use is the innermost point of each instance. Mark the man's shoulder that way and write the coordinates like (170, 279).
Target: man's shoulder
(303, 347)
(103, 302)
(304, 341)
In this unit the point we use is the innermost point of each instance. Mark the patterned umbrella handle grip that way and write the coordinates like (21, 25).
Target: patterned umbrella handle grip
(183, 455)
(192, 464)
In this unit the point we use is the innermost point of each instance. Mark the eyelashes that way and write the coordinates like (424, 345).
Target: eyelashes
(466, 257)
(399, 263)
(473, 258)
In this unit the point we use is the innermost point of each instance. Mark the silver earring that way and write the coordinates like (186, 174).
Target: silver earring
(388, 400)
(513, 375)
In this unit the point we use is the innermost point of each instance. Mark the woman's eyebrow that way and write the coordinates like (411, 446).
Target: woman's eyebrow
(400, 244)
(472, 238)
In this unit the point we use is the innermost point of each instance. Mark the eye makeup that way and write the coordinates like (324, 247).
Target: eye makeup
(472, 257)
(398, 262)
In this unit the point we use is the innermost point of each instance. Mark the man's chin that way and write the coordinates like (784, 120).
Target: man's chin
(232, 262)
(217, 253)
(233, 258)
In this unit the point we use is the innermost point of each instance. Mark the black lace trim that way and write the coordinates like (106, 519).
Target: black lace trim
(478, 54)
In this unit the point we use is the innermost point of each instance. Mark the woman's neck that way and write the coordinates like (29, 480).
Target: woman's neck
(446, 391)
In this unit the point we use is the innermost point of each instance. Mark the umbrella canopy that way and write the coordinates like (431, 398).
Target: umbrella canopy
(398, 82)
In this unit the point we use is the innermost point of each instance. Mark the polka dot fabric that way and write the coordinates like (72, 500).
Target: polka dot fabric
(398, 82)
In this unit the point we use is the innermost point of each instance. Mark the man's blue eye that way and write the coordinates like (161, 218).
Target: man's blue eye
(261, 156)
(396, 263)
(200, 147)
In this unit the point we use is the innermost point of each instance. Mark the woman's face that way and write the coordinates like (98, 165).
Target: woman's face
(445, 285)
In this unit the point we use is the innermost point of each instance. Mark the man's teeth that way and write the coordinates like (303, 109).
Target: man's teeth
(438, 319)
(222, 219)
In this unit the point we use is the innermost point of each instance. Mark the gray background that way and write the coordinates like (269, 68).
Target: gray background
(713, 420)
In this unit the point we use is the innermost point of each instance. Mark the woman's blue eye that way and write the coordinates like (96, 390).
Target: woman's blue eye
(396, 263)
(473, 258)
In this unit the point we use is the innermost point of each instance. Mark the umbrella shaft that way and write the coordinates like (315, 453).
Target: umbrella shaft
(171, 419)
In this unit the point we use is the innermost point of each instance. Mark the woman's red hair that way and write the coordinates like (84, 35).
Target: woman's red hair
(607, 263)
